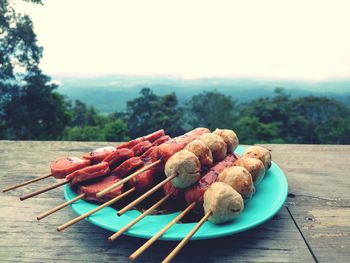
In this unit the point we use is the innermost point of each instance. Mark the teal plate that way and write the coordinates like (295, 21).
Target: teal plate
(270, 196)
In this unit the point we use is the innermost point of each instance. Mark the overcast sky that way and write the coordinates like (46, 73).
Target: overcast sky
(192, 39)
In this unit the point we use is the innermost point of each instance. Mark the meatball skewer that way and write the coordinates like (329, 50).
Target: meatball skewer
(165, 151)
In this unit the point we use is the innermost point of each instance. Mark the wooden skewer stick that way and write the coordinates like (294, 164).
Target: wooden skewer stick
(142, 249)
(126, 179)
(79, 218)
(186, 239)
(43, 190)
(137, 219)
(145, 195)
(59, 207)
(25, 183)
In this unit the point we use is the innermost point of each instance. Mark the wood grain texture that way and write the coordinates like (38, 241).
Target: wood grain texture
(278, 240)
(319, 196)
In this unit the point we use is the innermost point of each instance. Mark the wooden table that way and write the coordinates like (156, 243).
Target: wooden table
(314, 224)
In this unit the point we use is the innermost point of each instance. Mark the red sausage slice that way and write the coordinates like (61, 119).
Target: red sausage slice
(114, 159)
(128, 166)
(195, 193)
(161, 140)
(66, 165)
(88, 173)
(92, 189)
(150, 137)
(97, 155)
(141, 147)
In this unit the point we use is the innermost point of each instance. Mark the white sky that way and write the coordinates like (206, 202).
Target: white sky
(191, 39)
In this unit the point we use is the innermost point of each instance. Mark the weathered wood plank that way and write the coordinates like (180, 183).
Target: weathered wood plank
(22, 237)
(319, 185)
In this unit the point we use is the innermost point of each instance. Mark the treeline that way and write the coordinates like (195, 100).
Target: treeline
(279, 119)
(31, 109)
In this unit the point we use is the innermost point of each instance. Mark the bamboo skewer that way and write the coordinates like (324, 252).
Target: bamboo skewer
(186, 239)
(146, 245)
(59, 207)
(126, 179)
(137, 219)
(43, 190)
(145, 195)
(81, 217)
(26, 183)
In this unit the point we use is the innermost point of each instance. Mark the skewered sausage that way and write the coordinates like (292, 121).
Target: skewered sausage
(90, 190)
(254, 166)
(216, 145)
(97, 155)
(64, 166)
(195, 193)
(186, 166)
(141, 147)
(128, 166)
(260, 153)
(148, 178)
(88, 173)
(168, 149)
(229, 137)
(175, 193)
(239, 179)
(117, 157)
(201, 150)
(223, 202)
(151, 138)
(161, 140)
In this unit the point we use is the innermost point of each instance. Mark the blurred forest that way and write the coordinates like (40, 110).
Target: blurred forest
(32, 109)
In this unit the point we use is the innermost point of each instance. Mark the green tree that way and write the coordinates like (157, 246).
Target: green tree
(212, 110)
(116, 131)
(150, 112)
(29, 107)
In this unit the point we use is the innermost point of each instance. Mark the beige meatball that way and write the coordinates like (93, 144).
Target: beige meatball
(229, 137)
(260, 153)
(223, 202)
(254, 166)
(186, 166)
(216, 145)
(201, 150)
(239, 179)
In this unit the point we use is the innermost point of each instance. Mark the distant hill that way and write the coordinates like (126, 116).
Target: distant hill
(111, 92)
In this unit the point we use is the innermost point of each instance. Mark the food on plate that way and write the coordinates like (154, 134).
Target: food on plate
(254, 166)
(223, 202)
(260, 153)
(239, 179)
(186, 166)
(216, 145)
(202, 151)
(230, 138)
(66, 165)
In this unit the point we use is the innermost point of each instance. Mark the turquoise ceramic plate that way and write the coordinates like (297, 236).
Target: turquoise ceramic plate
(270, 196)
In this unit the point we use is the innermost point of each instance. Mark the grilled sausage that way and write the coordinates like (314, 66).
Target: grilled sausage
(90, 190)
(195, 193)
(115, 158)
(88, 173)
(64, 166)
(97, 155)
